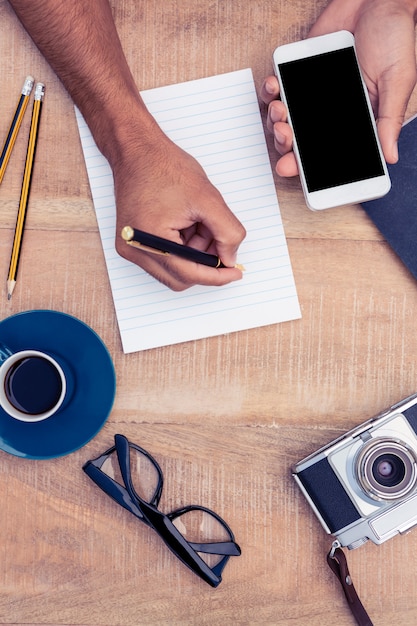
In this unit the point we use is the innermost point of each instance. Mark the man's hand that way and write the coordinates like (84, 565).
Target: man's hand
(385, 43)
(169, 195)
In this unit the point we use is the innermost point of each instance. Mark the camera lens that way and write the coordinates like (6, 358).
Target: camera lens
(386, 469)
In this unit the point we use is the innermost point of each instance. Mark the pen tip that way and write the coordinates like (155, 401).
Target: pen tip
(9, 296)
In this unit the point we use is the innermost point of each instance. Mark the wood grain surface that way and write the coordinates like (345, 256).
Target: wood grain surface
(225, 417)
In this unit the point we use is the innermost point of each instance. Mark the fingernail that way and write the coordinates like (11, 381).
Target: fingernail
(279, 137)
(269, 87)
(275, 115)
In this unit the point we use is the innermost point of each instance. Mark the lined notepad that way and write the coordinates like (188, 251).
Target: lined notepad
(217, 120)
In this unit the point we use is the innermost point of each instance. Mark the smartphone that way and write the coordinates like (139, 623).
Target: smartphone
(336, 144)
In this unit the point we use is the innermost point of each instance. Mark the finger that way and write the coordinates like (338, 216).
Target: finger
(199, 238)
(277, 112)
(269, 89)
(282, 137)
(180, 274)
(287, 165)
(203, 275)
(152, 264)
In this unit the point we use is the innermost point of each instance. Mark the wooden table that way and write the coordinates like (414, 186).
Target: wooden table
(225, 417)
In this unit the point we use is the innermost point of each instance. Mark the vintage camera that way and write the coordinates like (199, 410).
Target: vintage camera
(364, 484)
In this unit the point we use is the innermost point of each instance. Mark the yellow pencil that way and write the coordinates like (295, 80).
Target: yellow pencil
(24, 195)
(15, 125)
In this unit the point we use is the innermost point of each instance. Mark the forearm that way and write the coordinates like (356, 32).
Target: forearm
(79, 40)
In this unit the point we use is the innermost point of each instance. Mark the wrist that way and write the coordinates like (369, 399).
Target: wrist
(125, 130)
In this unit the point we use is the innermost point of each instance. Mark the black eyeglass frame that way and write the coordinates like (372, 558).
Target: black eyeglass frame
(162, 523)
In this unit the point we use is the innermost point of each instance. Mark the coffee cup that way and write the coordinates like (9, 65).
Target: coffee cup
(32, 384)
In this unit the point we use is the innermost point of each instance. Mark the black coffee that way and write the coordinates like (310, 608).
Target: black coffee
(33, 385)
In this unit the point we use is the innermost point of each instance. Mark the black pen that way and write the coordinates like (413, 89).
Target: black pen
(159, 245)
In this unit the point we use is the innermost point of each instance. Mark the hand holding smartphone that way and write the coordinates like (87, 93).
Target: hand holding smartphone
(336, 145)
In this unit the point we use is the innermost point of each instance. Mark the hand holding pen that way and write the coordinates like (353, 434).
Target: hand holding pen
(164, 191)
(146, 242)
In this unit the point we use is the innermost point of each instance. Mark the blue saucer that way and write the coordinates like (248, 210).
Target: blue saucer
(91, 384)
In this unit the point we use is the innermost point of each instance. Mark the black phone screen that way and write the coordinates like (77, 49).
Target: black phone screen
(331, 120)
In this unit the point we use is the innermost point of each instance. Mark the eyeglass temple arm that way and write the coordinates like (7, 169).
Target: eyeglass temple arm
(123, 457)
(117, 492)
(227, 548)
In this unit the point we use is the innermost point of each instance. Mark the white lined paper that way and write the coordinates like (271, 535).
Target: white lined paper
(217, 120)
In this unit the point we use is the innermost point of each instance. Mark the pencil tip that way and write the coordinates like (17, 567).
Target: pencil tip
(10, 287)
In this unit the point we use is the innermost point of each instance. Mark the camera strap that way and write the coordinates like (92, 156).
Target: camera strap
(338, 564)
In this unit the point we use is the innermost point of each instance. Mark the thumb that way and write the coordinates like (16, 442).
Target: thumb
(394, 91)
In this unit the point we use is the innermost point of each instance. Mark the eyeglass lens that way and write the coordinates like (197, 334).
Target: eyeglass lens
(200, 526)
(145, 475)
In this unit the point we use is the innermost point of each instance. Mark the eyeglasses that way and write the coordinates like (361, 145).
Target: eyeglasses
(132, 477)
